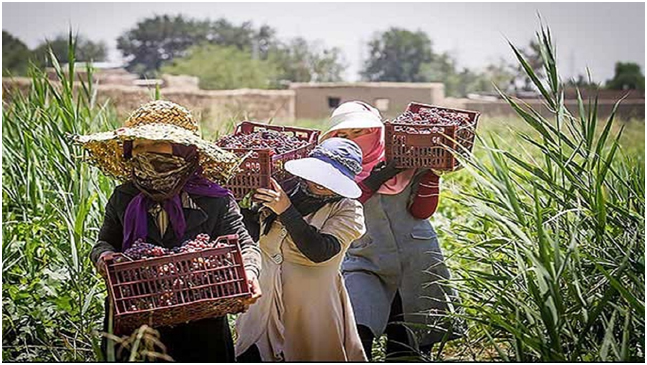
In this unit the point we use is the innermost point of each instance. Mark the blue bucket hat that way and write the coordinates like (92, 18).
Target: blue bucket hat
(333, 164)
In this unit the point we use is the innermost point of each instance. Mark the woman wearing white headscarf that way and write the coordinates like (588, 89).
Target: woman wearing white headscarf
(394, 272)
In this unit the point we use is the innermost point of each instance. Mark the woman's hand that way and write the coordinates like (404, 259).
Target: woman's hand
(381, 173)
(254, 288)
(275, 199)
(102, 267)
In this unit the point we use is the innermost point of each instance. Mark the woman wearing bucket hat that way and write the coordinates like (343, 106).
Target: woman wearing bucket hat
(168, 197)
(305, 313)
(393, 273)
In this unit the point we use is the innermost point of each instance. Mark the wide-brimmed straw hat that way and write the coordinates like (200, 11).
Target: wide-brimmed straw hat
(333, 164)
(158, 121)
(353, 114)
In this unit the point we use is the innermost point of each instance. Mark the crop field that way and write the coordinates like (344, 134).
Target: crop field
(543, 231)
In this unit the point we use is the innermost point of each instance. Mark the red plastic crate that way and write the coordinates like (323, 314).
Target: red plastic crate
(430, 145)
(203, 284)
(258, 167)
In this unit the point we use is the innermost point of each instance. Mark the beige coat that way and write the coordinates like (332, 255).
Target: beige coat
(304, 313)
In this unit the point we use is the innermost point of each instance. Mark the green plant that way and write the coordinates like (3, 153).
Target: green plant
(220, 67)
(52, 205)
(553, 258)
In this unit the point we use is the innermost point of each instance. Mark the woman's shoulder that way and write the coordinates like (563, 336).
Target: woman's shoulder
(127, 188)
(214, 203)
(347, 204)
(124, 193)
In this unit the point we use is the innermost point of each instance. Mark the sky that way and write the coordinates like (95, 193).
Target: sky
(593, 35)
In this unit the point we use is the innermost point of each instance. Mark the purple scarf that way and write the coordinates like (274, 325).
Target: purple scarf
(135, 218)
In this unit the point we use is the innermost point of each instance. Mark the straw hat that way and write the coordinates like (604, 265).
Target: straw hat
(160, 121)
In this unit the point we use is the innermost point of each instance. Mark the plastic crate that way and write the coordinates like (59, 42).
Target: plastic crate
(202, 284)
(260, 165)
(430, 145)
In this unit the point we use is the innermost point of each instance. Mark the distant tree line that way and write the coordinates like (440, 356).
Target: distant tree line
(16, 56)
(224, 55)
(401, 55)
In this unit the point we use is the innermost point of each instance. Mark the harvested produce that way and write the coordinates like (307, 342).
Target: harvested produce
(175, 282)
(432, 116)
(259, 140)
(141, 250)
(426, 136)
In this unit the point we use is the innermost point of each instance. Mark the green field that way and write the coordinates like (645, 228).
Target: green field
(543, 230)
(454, 216)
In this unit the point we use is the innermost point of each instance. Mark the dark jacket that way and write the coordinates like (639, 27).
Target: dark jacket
(216, 217)
(204, 340)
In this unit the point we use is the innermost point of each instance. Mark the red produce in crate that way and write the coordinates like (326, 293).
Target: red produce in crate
(424, 136)
(271, 146)
(202, 278)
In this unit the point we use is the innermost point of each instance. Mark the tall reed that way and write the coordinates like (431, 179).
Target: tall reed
(553, 259)
(52, 204)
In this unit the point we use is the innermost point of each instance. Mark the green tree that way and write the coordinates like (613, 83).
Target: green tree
(398, 55)
(86, 50)
(160, 39)
(628, 76)
(303, 61)
(223, 67)
(459, 82)
(500, 74)
(15, 55)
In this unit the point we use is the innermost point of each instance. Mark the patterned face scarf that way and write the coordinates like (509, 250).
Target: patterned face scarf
(171, 169)
(161, 176)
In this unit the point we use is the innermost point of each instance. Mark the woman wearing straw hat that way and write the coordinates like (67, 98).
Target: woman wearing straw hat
(393, 272)
(305, 313)
(168, 197)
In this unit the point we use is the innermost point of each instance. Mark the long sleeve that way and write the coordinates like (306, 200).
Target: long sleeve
(367, 193)
(231, 222)
(425, 202)
(316, 246)
(251, 219)
(111, 233)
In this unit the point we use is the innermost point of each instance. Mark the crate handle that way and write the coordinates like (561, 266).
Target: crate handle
(121, 255)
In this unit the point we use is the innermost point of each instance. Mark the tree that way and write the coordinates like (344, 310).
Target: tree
(398, 55)
(223, 67)
(15, 55)
(158, 40)
(303, 61)
(628, 76)
(405, 56)
(86, 50)
(582, 82)
(443, 68)
(501, 75)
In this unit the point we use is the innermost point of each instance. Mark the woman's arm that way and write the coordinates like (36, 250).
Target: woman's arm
(251, 219)
(380, 174)
(231, 222)
(111, 233)
(425, 202)
(317, 247)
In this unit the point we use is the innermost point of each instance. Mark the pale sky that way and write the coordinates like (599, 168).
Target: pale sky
(593, 35)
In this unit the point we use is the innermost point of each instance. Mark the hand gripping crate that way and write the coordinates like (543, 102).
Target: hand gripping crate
(430, 145)
(261, 164)
(178, 288)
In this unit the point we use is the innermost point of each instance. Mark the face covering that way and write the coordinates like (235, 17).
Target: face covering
(304, 192)
(160, 176)
(304, 200)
